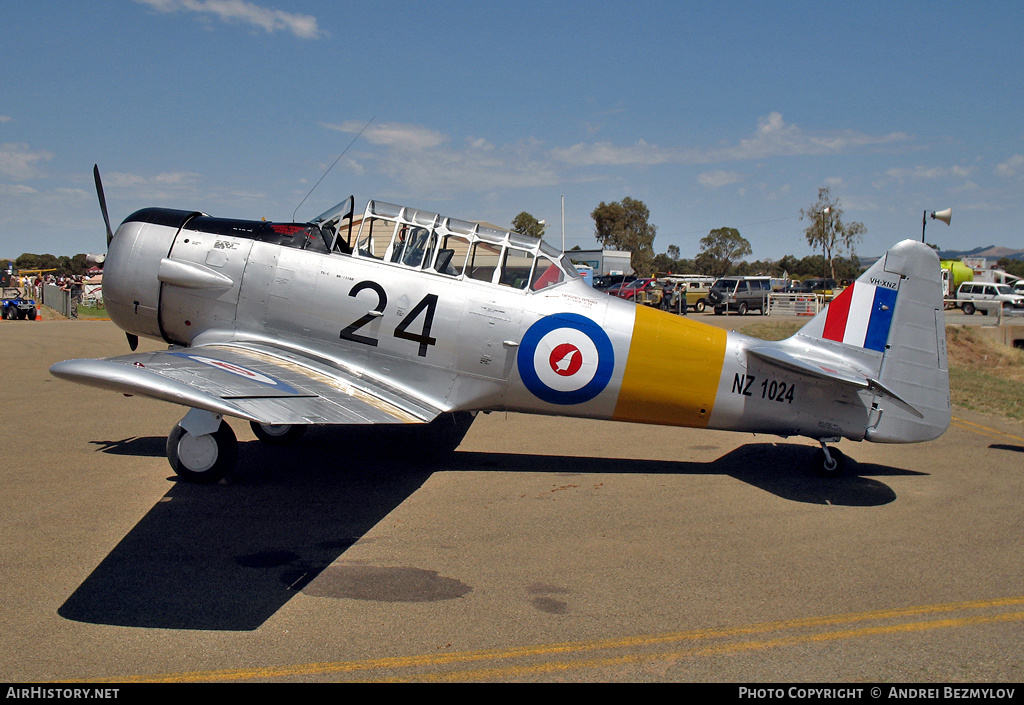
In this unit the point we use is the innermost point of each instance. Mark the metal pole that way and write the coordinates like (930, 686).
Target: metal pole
(563, 223)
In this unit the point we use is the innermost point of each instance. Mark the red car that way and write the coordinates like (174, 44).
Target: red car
(630, 291)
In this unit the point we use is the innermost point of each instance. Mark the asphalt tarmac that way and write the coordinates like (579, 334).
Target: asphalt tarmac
(546, 550)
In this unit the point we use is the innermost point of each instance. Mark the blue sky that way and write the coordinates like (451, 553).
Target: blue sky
(715, 114)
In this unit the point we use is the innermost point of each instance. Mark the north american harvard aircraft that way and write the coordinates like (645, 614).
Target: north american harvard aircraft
(402, 316)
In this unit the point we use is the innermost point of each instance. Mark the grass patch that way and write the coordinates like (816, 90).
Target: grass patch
(984, 375)
(772, 330)
(92, 312)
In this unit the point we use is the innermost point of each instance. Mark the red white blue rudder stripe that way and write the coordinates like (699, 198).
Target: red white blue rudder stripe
(861, 315)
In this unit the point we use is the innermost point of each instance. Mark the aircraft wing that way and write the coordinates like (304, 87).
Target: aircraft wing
(254, 382)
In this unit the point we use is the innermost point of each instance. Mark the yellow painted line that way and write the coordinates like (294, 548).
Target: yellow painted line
(983, 430)
(627, 659)
(367, 667)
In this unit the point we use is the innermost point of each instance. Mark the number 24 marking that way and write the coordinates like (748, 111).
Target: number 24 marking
(427, 307)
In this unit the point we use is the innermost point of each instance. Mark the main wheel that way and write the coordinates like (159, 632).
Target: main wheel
(202, 459)
(278, 434)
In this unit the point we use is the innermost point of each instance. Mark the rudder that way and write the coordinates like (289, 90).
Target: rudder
(891, 323)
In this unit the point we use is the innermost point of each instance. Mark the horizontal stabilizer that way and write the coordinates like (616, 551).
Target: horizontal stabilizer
(840, 373)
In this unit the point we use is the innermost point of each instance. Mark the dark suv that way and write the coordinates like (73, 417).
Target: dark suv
(740, 294)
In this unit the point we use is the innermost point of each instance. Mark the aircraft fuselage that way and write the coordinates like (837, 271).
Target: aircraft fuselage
(463, 340)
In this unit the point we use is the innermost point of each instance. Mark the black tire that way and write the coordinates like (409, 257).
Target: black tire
(278, 434)
(204, 459)
(741, 309)
(968, 308)
(825, 469)
(31, 314)
(715, 296)
(700, 306)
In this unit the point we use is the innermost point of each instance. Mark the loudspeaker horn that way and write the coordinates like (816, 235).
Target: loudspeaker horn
(944, 216)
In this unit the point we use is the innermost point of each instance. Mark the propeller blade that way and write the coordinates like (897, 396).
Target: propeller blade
(103, 201)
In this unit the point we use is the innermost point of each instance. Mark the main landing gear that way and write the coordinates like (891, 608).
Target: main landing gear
(202, 448)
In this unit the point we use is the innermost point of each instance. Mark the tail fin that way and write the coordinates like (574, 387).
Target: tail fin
(890, 324)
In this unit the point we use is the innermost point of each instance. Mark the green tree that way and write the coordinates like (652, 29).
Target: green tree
(624, 226)
(719, 249)
(526, 224)
(1011, 266)
(827, 232)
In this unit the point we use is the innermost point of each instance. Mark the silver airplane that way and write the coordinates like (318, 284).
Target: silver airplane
(401, 316)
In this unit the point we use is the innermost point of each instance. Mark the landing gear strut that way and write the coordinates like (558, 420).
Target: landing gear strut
(202, 447)
(829, 462)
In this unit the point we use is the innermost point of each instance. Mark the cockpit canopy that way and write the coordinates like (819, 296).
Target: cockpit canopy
(456, 248)
(399, 235)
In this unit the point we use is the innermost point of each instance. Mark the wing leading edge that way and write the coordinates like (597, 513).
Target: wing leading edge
(254, 382)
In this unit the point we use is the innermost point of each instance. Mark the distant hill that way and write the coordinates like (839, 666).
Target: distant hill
(989, 252)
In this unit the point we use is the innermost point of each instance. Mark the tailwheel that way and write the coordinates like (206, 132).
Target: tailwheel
(829, 462)
(205, 457)
(277, 434)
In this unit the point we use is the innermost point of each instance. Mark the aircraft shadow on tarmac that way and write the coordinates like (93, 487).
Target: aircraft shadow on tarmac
(228, 557)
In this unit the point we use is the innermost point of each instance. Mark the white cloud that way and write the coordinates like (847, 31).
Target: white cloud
(18, 162)
(398, 136)
(922, 173)
(244, 12)
(773, 137)
(159, 187)
(424, 162)
(929, 172)
(1011, 166)
(16, 190)
(427, 163)
(608, 154)
(719, 178)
